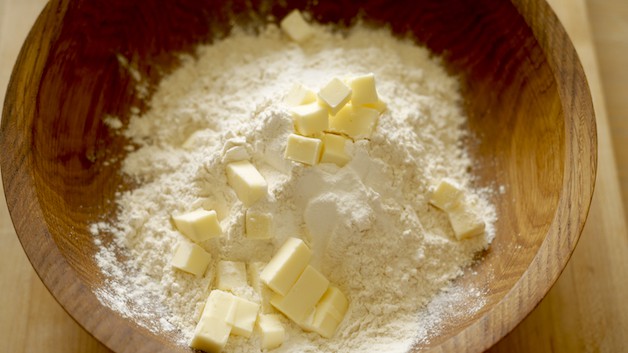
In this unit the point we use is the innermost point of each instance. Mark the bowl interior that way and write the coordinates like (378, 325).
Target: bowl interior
(520, 133)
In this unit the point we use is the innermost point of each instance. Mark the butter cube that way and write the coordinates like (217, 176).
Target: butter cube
(257, 225)
(286, 266)
(213, 330)
(356, 122)
(380, 106)
(271, 330)
(465, 223)
(210, 335)
(219, 305)
(231, 275)
(335, 149)
(244, 317)
(446, 195)
(303, 149)
(299, 95)
(335, 95)
(303, 296)
(190, 258)
(295, 26)
(310, 119)
(246, 181)
(364, 91)
(198, 225)
(329, 313)
(254, 270)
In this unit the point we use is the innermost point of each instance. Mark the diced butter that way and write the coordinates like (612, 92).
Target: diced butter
(335, 149)
(210, 335)
(246, 181)
(244, 317)
(310, 119)
(465, 223)
(254, 270)
(364, 91)
(286, 266)
(329, 313)
(231, 275)
(295, 26)
(271, 330)
(356, 122)
(258, 225)
(303, 149)
(190, 258)
(334, 95)
(303, 296)
(198, 225)
(220, 305)
(446, 195)
(299, 95)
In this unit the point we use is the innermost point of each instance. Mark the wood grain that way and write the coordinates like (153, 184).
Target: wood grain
(611, 183)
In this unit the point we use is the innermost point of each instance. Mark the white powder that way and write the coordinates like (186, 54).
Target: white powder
(369, 223)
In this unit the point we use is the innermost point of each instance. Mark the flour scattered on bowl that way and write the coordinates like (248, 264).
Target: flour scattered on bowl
(371, 229)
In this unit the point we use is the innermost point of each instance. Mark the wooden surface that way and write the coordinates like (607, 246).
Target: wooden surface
(582, 313)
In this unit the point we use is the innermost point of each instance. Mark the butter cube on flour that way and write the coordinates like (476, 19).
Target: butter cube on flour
(190, 258)
(286, 266)
(446, 195)
(213, 329)
(301, 299)
(258, 225)
(231, 275)
(271, 330)
(303, 149)
(354, 121)
(364, 91)
(334, 95)
(299, 95)
(246, 181)
(295, 26)
(244, 317)
(310, 119)
(380, 106)
(329, 313)
(198, 225)
(464, 222)
(335, 149)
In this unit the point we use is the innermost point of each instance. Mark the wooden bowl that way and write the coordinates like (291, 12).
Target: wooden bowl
(525, 93)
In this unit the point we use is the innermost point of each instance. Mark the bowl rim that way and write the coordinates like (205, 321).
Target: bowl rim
(504, 316)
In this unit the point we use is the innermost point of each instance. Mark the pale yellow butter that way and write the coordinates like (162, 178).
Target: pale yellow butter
(303, 296)
(303, 149)
(247, 182)
(446, 195)
(464, 222)
(219, 305)
(310, 119)
(271, 330)
(258, 225)
(380, 106)
(190, 258)
(356, 122)
(198, 225)
(335, 149)
(244, 317)
(363, 90)
(299, 95)
(295, 26)
(210, 335)
(231, 275)
(335, 95)
(329, 313)
(283, 270)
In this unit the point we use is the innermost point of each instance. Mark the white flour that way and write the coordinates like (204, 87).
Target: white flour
(369, 224)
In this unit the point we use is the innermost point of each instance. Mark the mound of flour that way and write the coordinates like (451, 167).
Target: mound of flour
(371, 229)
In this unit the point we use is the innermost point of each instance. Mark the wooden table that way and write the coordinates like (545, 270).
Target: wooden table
(584, 312)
